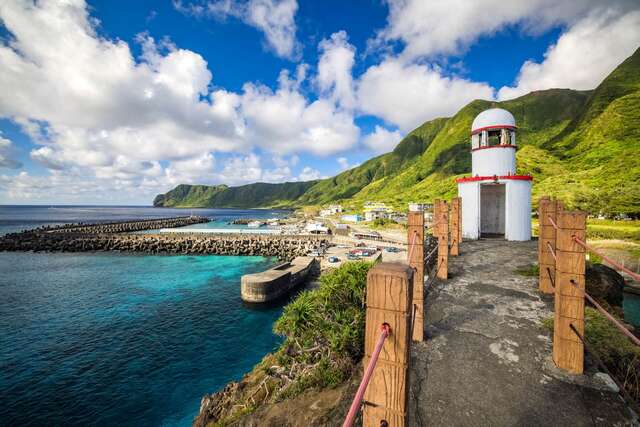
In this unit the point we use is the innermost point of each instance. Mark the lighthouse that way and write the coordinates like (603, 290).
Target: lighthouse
(495, 201)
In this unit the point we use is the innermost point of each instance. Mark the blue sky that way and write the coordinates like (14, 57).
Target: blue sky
(114, 101)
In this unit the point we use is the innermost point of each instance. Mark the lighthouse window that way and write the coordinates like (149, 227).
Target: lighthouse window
(494, 138)
(513, 137)
(475, 140)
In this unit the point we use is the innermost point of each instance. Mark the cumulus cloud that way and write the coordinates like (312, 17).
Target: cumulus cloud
(408, 94)
(95, 102)
(428, 28)
(7, 154)
(583, 56)
(275, 18)
(284, 121)
(334, 79)
(382, 140)
(93, 108)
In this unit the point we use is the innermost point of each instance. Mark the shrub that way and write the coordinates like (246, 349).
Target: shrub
(324, 330)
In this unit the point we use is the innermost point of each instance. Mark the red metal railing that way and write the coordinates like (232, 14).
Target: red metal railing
(606, 258)
(357, 399)
(590, 248)
(613, 320)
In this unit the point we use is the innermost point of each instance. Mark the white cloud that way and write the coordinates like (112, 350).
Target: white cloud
(334, 69)
(309, 174)
(284, 121)
(275, 18)
(406, 95)
(428, 28)
(382, 140)
(91, 101)
(7, 154)
(583, 56)
(92, 108)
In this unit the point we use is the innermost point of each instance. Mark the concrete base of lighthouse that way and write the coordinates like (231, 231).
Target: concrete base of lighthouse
(496, 206)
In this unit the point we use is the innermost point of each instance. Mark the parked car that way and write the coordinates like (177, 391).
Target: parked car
(333, 259)
(392, 249)
(352, 257)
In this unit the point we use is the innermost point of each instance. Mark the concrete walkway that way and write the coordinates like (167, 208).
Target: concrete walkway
(488, 358)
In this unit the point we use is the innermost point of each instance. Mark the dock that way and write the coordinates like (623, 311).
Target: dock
(276, 282)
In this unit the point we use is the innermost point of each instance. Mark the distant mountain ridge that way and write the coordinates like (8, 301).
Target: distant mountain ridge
(581, 146)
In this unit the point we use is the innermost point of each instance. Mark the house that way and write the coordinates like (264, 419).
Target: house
(341, 229)
(376, 210)
(316, 228)
(352, 218)
(331, 210)
(372, 215)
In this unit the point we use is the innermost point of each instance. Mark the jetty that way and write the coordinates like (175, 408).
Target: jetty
(126, 237)
(487, 358)
(461, 336)
(276, 282)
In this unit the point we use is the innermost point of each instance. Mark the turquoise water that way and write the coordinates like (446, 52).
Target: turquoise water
(631, 306)
(113, 339)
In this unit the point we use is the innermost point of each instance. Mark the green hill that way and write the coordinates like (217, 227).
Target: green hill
(245, 196)
(581, 146)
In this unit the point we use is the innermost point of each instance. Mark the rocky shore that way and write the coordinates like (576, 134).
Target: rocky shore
(283, 247)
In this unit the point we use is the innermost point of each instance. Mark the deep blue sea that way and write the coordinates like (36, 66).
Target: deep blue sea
(114, 339)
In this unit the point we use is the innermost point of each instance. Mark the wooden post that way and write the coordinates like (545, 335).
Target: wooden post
(456, 232)
(415, 227)
(441, 223)
(546, 243)
(568, 351)
(389, 293)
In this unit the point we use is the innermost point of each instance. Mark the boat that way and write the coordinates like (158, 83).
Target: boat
(255, 224)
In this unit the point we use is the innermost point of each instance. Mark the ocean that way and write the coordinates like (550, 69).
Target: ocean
(116, 339)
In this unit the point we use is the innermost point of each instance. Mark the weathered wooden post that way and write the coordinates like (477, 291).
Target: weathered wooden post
(415, 227)
(441, 230)
(568, 351)
(456, 232)
(389, 293)
(546, 244)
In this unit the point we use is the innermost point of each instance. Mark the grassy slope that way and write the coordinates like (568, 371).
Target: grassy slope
(580, 146)
(540, 115)
(351, 182)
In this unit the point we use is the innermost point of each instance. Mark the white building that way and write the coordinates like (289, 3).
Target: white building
(316, 228)
(495, 201)
(372, 215)
(331, 210)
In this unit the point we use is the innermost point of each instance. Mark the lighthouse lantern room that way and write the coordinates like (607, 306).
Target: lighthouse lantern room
(495, 201)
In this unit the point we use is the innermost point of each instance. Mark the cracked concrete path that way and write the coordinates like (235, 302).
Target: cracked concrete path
(487, 358)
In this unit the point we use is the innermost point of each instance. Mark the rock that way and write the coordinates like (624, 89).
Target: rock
(605, 284)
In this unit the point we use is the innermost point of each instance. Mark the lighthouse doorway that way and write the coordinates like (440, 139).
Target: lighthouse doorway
(492, 210)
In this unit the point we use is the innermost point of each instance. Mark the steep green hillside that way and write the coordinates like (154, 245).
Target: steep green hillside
(245, 196)
(581, 146)
(349, 183)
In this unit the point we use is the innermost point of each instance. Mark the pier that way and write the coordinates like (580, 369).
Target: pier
(122, 237)
(459, 338)
(276, 282)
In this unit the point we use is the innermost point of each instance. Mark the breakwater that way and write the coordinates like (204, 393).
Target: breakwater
(122, 226)
(283, 247)
(276, 282)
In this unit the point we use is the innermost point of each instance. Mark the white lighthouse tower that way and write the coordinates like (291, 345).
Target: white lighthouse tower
(495, 201)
